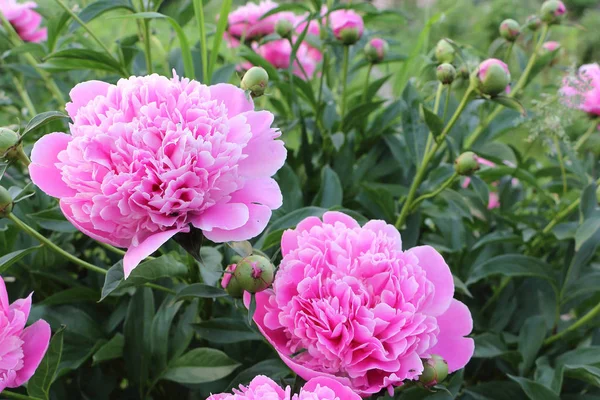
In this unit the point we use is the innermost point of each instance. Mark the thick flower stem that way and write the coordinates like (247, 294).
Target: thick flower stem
(364, 98)
(521, 83)
(580, 322)
(199, 12)
(344, 81)
(13, 395)
(84, 264)
(407, 207)
(437, 191)
(586, 135)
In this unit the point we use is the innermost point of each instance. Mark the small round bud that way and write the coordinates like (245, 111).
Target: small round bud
(466, 164)
(444, 52)
(553, 11)
(284, 27)
(494, 77)
(376, 50)
(533, 23)
(446, 73)
(254, 273)
(255, 81)
(435, 370)
(9, 141)
(6, 202)
(510, 30)
(230, 284)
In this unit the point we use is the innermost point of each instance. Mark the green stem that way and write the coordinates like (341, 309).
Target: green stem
(147, 45)
(427, 158)
(561, 215)
(561, 162)
(521, 83)
(436, 107)
(446, 103)
(437, 191)
(225, 8)
(580, 322)
(344, 81)
(13, 395)
(508, 52)
(199, 12)
(24, 96)
(586, 135)
(364, 99)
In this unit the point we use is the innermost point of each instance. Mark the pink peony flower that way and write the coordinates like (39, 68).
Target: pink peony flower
(348, 304)
(494, 201)
(25, 21)
(150, 156)
(583, 91)
(278, 52)
(21, 350)
(263, 388)
(346, 24)
(551, 46)
(561, 9)
(246, 23)
(314, 30)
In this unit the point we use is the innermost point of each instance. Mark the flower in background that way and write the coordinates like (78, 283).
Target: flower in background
(347, 26)
(150, 156)
(245, 22)
(551, 46)
(278, 52)
(263, 388)
(583, 90)
(22, 349)
(24, 19)
(348, 304)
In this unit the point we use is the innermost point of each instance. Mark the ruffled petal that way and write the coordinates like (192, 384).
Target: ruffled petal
(135, 254)
(331, 217)
(342, 392)
(88, 228)
(85, 92)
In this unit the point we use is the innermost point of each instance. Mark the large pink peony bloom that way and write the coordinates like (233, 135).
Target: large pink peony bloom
(263, 388)
(583, 91)
(347, 303)
(25, 21)
(149, 156)
(21, 350)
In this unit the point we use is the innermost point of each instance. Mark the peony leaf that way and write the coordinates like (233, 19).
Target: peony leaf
(200, 365)
(39, 384)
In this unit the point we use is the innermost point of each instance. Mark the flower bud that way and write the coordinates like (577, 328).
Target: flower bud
(376, 50)
(253, 274)
(466, 164)
(6, 202)
(255, 81)
(553, 11)
(230, 284)
(510, 30)
(347, 26)
(444, 52)
(284, 28)
(446, 73)
(533, 22)
(494, 76)
(10, 145)
(435, 370)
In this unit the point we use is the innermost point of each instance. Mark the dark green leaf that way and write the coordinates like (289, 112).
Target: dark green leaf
(53, 220)
(110, 350)
(509, 102)
(39, 384)
(161, 327)
(71, 295)
(137, 331)
(461, 287)
(292, 219)
(586, 373)
(587, 230)
(531, 338)
(512, 265)
(496, 237)
(330, 193)
(200, 365)
(9, 259)
(211, 268)
(225, 331)
(42, 119)
(76, 59)
(435, 123)
(251, 308)
(534, 390)
(200, 290)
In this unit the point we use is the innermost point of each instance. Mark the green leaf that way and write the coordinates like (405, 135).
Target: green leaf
(54, 220)
(587, 230)
(531, 338)
(496, 237)
(586, 373)
(242, 249)
(39, 384)
(489, 345)
(534, 390)
(70, 296)
(200, 290)
(251, 308)
(512, 265)
(183, 331)
(330, 193)
(110, 350)
(98, 8)
(35, 49)
(56, 25)
(148, 271)
(457, 203)
(360, 113)
(161, 327)
(221, 27)
(292, 219)
(211, 268)
(81, 59)
(435, 123)
(511, 103)
(225, 331)
(9, 259)
(137, 331)
(461, 287)
(42, 119)
(200, 365)
(294, 7)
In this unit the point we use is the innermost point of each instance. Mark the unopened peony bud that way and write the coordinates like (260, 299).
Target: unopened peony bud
(510, 30)
(494, 76)
(435, 370)
(466, 164)
(255, 81)
(11, 148)
(253, 274)
(284, 27)
(347, 26)
(444, 52)
(446, 73)
(6, 202)
(376, 50)
(553, 11)
(533, 22)
(230, 284)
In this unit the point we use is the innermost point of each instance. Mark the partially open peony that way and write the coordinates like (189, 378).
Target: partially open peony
(348, 304)
(263, 388)
(150, 156)
(21, 349)
(583, 91)
(24, 20)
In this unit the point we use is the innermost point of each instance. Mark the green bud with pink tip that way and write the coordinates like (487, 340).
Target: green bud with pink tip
(435, 370)
(533, 23)
(252, 274)
(553, 12)
(446, 73)
(510, 30)
(466, 164)
(493, 76)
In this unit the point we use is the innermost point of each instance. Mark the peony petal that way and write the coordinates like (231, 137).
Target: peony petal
(439, 274)
(455, 323)
(43, 170)
(263, 191)
(135, 254)
(23, 306)
(258, 219)
(88, 228)
(234, 98)
(85, 92)
(35, 344)
(331, 217)
(3, 297)
(265, 158)
(289, 240)
(224, 216)
(385, 229)
(342, 392)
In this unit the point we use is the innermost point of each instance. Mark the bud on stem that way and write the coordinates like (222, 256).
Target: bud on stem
(6, 203)
(255, 81)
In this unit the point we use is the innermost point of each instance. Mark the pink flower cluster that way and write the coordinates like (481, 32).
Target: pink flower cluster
(348, 304)
(150, 156)
(22, 349)
(583, 91)
(263, 388)
(24, 19)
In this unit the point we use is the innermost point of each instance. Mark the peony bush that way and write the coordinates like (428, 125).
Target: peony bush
(325, 200)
